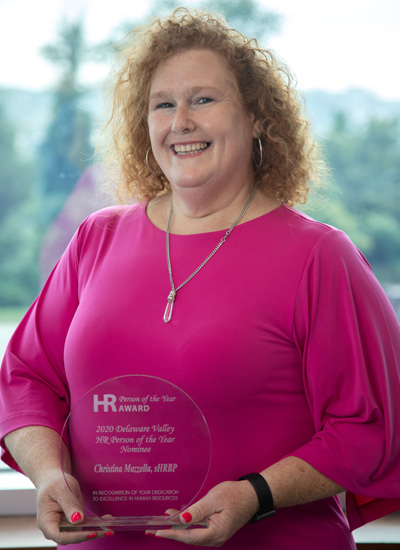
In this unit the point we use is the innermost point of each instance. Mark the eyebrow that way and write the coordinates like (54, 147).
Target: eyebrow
(196, 89)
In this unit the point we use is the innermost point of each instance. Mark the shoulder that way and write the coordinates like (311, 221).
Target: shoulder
(112, 217)
(329, 259)
(105, 226)
(114, 214)
(302, 224)
(301, 237)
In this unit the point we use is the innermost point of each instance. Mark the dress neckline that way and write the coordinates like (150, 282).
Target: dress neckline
(216, 232)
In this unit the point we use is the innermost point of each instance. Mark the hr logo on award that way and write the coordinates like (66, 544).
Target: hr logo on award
(109, 400)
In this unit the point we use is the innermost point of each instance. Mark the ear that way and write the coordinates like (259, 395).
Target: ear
(256, 128)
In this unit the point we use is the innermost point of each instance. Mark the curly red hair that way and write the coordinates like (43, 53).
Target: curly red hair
(290, 157)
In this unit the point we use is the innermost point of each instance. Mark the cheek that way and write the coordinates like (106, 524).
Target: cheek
(239, 126)
(247, 130)
(151, 128)
(158, 130)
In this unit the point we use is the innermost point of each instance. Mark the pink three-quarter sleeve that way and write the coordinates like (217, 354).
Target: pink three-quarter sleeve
(32, 376)
(349, 340)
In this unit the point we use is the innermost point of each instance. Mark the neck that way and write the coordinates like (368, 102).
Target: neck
(236, 221)
(198, 216)
(196, 213)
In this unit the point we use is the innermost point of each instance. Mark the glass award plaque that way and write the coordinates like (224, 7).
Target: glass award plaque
(139, 446)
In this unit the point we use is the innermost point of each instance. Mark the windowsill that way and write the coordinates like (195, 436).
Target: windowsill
(17, 494)
(385, 530)
(22, 532)
(14, 481)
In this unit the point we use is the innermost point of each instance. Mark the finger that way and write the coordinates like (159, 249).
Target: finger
(195, 514)
(50, 526)
(74, 514)
(52, 532)
(193, 536)
(198, 512)
(50, 515)
(172, 517)
(61, 505)
(171, 512)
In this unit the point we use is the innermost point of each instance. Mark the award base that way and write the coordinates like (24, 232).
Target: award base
(141, 523)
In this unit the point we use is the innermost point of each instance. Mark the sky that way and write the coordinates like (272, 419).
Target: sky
(330, 45)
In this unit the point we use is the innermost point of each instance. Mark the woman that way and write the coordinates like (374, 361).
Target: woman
(273, 323)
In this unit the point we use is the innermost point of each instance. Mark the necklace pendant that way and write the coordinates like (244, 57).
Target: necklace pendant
(170, 306)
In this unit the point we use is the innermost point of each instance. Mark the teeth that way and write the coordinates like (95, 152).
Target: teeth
(190, 148)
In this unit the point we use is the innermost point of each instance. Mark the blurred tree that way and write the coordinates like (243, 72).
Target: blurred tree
(66, 149)
(365, 201)
(18, 221)
(247, 16)
(13, 172)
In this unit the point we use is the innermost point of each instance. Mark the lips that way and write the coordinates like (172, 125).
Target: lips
(190, 148)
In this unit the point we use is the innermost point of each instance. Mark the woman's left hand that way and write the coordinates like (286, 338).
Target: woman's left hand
(228, 507)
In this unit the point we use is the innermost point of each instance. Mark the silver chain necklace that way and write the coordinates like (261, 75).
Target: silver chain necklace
(172, 294)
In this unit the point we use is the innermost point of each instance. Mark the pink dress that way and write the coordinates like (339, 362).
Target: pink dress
(285, 340)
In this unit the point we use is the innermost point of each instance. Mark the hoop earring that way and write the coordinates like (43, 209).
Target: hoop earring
(259, 163)
(148, 166)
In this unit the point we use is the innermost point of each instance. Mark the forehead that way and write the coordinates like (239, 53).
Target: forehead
(196, 68)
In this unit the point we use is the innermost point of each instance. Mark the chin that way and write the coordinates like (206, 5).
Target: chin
(188, 182)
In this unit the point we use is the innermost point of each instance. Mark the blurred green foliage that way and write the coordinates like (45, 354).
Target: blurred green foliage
(19, 240)
(66, 149)
(363, 200)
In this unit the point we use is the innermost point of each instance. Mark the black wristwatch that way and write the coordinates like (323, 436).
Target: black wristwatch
(264, 496)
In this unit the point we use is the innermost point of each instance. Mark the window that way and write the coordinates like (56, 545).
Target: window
(36, 182)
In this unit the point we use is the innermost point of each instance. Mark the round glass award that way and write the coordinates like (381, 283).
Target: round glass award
(139, 446)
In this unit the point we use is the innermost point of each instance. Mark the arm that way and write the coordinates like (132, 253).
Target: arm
(293, 481)
(230, 505)
(36, 449)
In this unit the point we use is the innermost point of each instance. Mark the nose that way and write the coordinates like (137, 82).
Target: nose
(183, 120)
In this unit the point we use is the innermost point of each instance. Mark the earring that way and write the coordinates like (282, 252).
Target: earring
(259, 163)
(148, 166)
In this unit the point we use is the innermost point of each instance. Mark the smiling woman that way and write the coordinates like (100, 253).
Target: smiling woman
(255, 80)
(200, 132)
(274, 323)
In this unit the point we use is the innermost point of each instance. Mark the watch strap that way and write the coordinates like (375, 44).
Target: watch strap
(264, 496)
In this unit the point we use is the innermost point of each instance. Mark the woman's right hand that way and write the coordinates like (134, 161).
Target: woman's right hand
(55, 500)
(36, 449)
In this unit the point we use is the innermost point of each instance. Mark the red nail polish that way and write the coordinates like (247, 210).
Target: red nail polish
(91, 536)
(76, 517)
(109, 534)
(187, 517)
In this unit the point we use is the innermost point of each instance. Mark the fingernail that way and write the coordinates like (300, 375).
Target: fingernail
(91, 536)
(187, 518)
(109, 534)
(152, 534)
(76, 517)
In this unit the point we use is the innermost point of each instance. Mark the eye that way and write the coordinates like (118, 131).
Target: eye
(165, 105)
(204, 100)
